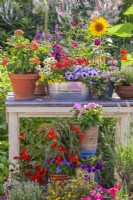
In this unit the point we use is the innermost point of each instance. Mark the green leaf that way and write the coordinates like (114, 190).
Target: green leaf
(121, 30)
(129, 11)
(1, 166)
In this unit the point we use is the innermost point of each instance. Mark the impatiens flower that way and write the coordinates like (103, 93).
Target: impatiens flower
(99, 197)
(74, 44)
(93, 193)
(97, 42)
(117, 186)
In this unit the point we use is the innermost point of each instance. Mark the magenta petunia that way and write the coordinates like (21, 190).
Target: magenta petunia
(97, 42)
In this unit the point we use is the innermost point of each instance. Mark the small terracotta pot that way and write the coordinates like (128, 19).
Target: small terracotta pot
(124, 91)
(40, 89)
(90, 138)
(60, 179)
(23, 85)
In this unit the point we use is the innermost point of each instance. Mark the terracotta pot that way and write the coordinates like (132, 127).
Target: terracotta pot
(23, 85)
(91, 138)
(60, 179)
(40, 89)
(124, 92)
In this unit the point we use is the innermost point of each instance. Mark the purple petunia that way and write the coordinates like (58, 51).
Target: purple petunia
(86, 177)
(84, 75)
(83, 167)
(58, 170)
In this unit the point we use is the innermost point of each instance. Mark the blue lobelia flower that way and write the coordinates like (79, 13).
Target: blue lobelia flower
(58, 170)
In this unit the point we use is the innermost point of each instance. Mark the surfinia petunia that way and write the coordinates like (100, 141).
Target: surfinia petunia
(99, 26)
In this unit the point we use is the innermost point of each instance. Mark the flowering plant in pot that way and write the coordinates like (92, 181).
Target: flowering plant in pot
(88, 117)
(124, 82)
(21, 61)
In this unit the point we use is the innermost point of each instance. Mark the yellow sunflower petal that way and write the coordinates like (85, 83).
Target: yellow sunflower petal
(99, 26)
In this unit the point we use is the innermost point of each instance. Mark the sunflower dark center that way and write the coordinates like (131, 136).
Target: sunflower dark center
(99, 27)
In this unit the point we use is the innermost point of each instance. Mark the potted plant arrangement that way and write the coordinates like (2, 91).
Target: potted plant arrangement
(124, 82)
(62, 139)
(22, 58)
(88, 117)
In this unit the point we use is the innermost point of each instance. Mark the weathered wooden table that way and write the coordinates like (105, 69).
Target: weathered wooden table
(42, 106)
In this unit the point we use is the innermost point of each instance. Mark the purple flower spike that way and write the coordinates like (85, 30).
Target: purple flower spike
(77, 106)
(56, 28)
(49, 37)
(43, 36)
(97, 42)
(58, 36)
(58, 170)
(37, 37)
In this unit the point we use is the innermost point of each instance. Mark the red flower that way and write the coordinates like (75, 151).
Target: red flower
(55, 136)
(22, 150)
(42, 180)
(64, 150)
(25, 157)
(74, 23)
(28, 174)
(81, 137)
(51, 134)
(59, 159)
(34, 177)
(11, 170)
(82, 61)
(20, 137)
(44, 171)
(123, 52)
(75, 159)
(112, 191)
(39, 166)
(59, 147)
(69, 158)
(53, 145)
(16, 157)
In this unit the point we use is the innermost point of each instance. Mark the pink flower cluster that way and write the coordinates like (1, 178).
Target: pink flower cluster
(95, 195)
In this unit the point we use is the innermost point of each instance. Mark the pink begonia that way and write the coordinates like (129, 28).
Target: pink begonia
(117, 186)
(99, 197)
(93, 193)
(112, 191)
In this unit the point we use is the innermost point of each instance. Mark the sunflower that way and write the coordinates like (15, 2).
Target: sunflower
(99, 26)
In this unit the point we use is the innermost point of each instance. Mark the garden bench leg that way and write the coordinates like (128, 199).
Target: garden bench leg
(13, 126)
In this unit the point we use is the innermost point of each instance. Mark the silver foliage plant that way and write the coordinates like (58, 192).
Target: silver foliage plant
(109, 9)
(26, 191)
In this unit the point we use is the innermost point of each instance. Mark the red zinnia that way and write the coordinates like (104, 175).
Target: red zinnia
(123, 52)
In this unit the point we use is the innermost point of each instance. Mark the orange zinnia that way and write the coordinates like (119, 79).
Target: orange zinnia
(24, 46)
(124, 57)
(35, 60)
(123, 52)
(34, 45)
(5, 61)
(19, 32)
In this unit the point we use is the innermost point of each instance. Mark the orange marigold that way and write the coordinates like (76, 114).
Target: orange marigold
(123, 51)
(5, 61)
(35, 60)
(19, 32)
(34, 45)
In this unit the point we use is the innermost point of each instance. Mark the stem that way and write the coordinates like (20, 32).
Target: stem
(46, 17)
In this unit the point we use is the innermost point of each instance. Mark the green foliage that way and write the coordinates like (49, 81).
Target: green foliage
(123, 160)
(5, 87)
(25, 191)
(106, 139)
(3, 164)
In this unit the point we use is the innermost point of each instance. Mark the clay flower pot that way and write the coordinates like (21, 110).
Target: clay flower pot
(90, 138)
(23, 85)
(40, 89)
(60, 179)
(124, 91)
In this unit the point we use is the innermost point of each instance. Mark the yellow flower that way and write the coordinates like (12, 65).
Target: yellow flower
(99, 26)
(49, 82)
(69, 194)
